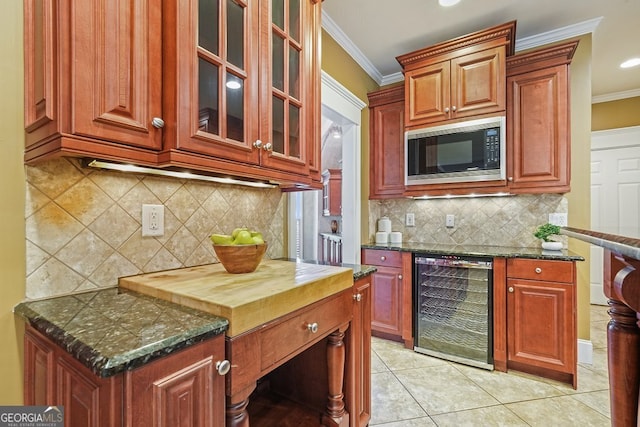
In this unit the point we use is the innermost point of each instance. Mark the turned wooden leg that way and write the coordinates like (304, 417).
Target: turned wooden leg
(623, 353)
(236, 411)
(335, 414)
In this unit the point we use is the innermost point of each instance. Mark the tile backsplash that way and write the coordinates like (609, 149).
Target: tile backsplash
(495, 221)
(83, 226)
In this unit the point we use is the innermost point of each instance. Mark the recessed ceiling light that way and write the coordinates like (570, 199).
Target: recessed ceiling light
(447, 3)
(633, 62)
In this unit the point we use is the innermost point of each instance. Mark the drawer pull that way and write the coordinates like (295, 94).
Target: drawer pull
(223, 367)
(511, 289)
(383, 258)
(399, 276)
(357, 297)
(538, 270)
(312, 327)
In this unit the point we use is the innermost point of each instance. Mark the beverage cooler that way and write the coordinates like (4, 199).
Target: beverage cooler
(453, 308)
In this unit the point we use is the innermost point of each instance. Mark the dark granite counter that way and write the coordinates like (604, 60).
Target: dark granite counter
(479, 250)
(113, 330)
(627, 246)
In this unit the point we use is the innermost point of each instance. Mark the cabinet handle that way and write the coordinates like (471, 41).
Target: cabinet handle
(538, 270)
(453, 108)
(267, 147)
(157, 123)
(399, 276)
(383, 258)
(357, 297)
(257, 144)
(511, 289)
(223, 367)
(312, 327)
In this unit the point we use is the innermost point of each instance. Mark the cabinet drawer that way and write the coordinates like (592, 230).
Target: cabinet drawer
(293, 334)
(537, 269)
(382, 257)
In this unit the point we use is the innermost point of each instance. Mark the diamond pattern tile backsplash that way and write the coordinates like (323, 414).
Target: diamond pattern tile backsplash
(493, 221)
(83, 226)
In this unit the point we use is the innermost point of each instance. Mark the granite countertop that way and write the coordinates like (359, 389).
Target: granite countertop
(113, 330)
(478, 250)
(627, 246)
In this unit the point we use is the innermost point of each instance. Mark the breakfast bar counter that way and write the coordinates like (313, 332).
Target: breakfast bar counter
(622, 287)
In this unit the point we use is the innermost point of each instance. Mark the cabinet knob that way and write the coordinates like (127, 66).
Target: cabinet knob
(357, 297)
(157, 123)
(383, 258)
(267, 147)
(510, 178)
(446, 109)
(538, 270)
(223, 367)
(312, 327)
(453, 108)
(511, 289)
(399, 276)
(257, 144)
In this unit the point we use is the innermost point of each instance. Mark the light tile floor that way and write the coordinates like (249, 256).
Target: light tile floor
(415, 390)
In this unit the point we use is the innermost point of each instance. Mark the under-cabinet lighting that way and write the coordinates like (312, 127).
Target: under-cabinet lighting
(122, 167)
(234, 84)
(447, 3)
(633, 62)
(461, 196)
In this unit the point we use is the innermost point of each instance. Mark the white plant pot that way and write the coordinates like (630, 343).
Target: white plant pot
(552, 246)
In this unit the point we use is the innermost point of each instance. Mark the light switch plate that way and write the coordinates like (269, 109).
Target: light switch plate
(410, 220)
(558, 219)
(450, 221)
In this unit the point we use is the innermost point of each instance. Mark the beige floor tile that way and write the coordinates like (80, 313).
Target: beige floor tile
(441, 389)
(498, 416)
(396, 357)
(416, 422)
(390, 401)
(598, 333)
(377, 365)
(589, 380)
(598, 400)
(558, 411)
(507, 387)
(599, 313)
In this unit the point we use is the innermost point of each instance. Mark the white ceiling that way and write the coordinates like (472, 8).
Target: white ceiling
(374, 32)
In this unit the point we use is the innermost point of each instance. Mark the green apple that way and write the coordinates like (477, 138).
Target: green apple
(258, 240)
(236, 231)
(256, 234)
(243, 238)
(222, 239)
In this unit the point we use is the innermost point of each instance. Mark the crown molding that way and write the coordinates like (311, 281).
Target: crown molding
(615, 96)
(560, 34)
(345, 42)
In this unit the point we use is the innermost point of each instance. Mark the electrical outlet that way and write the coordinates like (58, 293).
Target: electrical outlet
(153, 220)
(450, 221)
(410, 220)
(558, 219)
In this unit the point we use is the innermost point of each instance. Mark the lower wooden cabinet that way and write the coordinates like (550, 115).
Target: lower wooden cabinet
(183, 388)
(390, 294)
(359, 400)
(541, 313)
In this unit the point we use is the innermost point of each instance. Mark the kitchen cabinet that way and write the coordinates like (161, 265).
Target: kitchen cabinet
(390, 291)
(541, 318)
(220, 87)
(332, 192)
(387, 151)
(359, 383)
(459, 78)
(538, 120)
(179, 389)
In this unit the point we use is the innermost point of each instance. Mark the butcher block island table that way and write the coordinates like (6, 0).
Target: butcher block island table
(294, 339)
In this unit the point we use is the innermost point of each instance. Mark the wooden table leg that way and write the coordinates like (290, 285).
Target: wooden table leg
(236, 412)
(336, 415)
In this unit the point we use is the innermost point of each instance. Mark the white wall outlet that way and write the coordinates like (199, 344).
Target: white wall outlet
(450, 221)
(410, 220)
(153, 220)
(558, 219)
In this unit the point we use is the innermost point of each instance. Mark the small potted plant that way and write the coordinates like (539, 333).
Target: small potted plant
(543, 232)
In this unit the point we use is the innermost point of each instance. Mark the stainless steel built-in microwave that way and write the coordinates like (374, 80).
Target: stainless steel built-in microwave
(468, 151)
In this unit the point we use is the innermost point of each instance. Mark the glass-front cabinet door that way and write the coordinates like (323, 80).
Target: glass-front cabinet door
(288, 89)
(215, 79)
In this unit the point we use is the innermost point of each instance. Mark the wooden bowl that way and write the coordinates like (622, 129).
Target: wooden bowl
(240, 258)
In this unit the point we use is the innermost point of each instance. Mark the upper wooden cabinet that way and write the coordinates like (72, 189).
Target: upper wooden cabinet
(386, 141)
(332, 192)
(459, 78)
(223, 86)
(538, 120)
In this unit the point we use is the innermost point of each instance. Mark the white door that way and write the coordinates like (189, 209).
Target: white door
(615, 192)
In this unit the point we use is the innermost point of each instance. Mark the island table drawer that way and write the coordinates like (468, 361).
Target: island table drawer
(539, 269)
(307, 326)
